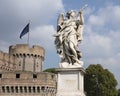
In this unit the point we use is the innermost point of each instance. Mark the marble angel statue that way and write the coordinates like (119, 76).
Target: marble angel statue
(68, 35)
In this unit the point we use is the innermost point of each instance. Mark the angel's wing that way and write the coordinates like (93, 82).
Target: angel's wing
(60, 21)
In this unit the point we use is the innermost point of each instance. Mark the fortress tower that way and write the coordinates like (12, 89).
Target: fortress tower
(21, 72)
(27, 59)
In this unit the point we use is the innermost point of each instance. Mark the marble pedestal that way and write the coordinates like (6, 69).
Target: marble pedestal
(70, 82)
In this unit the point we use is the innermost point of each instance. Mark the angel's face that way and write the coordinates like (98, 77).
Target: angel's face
(71, 13)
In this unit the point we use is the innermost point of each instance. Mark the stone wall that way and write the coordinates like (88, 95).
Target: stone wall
(21, 72)
(25, 49)
(27, 84)
(6, 62)
(22, 57)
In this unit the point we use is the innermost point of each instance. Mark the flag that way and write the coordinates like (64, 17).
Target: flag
(24, 31)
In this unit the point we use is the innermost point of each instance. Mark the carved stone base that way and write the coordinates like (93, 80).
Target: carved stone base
(70, 82)
(67, 65)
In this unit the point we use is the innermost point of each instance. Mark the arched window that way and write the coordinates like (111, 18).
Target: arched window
(29, 89)
(16, 89)
(43, 88)
(8, 90)
(34, 89)
(12, 89)
(25, 89)
(20, 55)
(3, 89)
(24, 55)
(17, 55)
(21, 89)
(38, 89)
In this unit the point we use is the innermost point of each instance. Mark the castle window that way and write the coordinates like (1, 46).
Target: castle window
(3, 89)
(42, 88)
(52, 76)
(34, 75)
(24, 55)
(29, 89)
(20, 55)
(12, 89)
(0, 75)
(16, 88)
(38, 89)
(19, 63)
(25, 89)
(21, 90)
(8, 90)
(34, 89)
(17, 75)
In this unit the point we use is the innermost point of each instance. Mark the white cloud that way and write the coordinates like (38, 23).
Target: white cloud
(39, 12)
(97, 45)
(14, 14)
(105, 16)
(34, 9)
(88, 10)
(43, 35)
(3, 46)
(94, 20)
(101, 41)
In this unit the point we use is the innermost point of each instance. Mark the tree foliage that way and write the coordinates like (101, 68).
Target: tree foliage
(51, 70)
(118, 92)
(100, 81)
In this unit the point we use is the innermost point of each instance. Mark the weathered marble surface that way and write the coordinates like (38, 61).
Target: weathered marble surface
(69, 34)
(70, 82)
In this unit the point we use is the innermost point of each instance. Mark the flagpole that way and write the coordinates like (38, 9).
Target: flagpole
(28, 34)
(28, 38)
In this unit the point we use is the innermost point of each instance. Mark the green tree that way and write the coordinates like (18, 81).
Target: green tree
(118, 92)
(100, 81)
(51, 70)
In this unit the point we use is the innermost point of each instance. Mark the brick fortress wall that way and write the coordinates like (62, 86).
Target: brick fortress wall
(21, 72)
(22, 57)
(6, 62)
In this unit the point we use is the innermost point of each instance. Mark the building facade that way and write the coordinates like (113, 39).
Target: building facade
(21, 72)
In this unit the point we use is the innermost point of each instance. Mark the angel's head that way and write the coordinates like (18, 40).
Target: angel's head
(70, 13)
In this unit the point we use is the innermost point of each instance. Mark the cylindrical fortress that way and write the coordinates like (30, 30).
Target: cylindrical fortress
(26, 58)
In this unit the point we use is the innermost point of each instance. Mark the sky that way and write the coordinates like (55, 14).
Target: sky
(101, 33)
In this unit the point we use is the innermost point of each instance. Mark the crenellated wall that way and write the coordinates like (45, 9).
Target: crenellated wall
(24, 49)
(22, 57)
(6, 62)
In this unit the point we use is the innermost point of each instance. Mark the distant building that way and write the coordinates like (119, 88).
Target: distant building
(21, 72)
